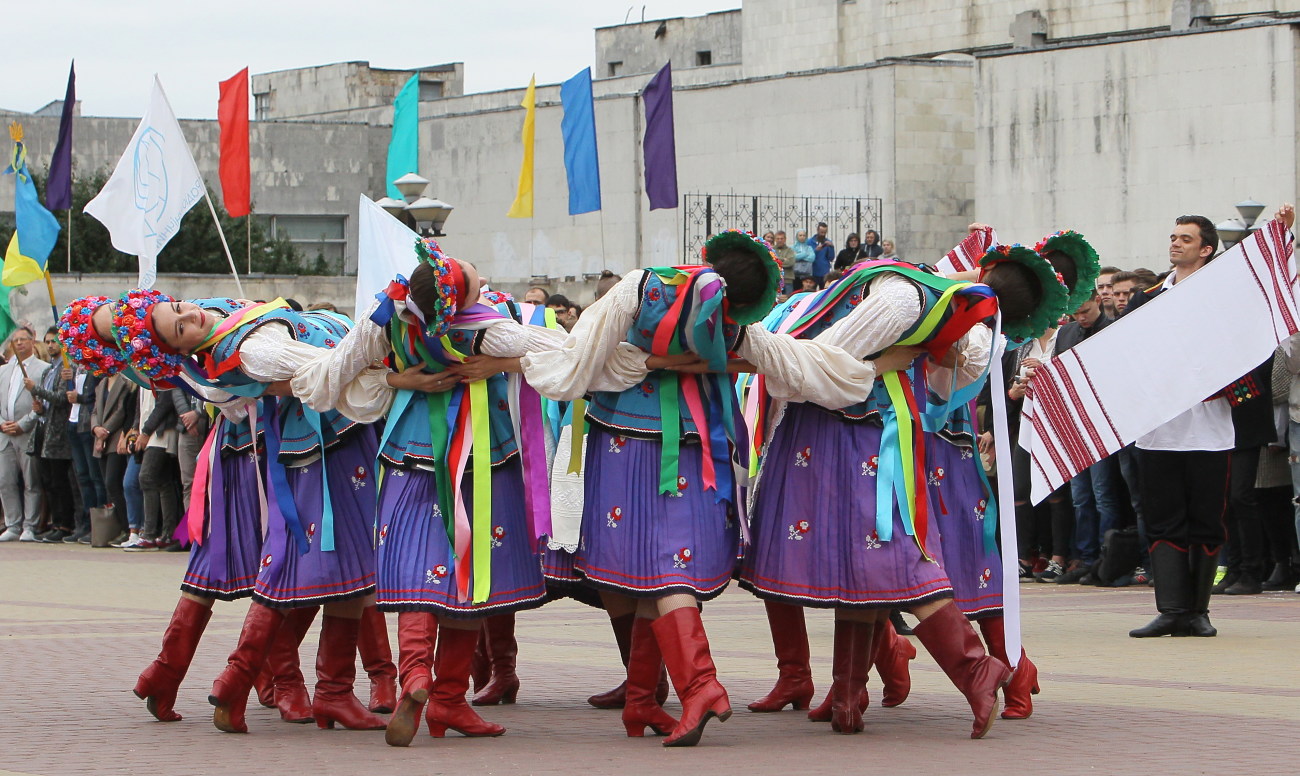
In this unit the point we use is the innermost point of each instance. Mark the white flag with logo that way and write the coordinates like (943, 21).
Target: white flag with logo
(154, 185)
(385, 249)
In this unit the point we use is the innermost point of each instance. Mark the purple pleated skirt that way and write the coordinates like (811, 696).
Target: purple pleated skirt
(639, 542)
(813, 525)
(558, 568)
(416, 569)
(224, 566)
(959, 502)
(288, 579)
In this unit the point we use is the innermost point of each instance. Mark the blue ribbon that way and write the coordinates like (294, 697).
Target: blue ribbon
(277, 480)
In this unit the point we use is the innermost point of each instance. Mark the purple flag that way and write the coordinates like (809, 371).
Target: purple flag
(660, 147)
(58, 189)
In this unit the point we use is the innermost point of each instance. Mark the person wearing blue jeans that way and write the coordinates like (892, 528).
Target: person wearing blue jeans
(1096, 510)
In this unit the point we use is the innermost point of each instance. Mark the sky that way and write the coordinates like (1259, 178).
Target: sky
(120, 45)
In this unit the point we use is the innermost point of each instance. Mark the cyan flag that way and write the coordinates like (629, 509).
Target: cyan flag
(581, 162)
(404, 148)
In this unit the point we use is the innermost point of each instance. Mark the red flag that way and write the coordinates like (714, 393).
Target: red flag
(232, 115)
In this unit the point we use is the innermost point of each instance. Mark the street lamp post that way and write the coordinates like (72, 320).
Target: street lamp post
(427, 214)
(1234, 230)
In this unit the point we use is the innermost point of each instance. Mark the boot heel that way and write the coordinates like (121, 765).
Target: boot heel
(635, 729)
(437, 729)
(324, 724)
(801, 703)
(510, 695)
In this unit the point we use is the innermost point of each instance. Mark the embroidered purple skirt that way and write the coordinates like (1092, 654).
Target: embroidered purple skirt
(415, 564)
(224, 566)
(814, 523)
(558, 568)
(638, 542)
(288, 579)
(959, 502)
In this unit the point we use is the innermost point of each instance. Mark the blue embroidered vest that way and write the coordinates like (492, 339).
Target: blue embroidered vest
(636, 411)
(298, 437)
(411, 441)
(238, 437)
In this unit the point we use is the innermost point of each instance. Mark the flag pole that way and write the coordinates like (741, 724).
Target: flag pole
(56, 318)
(248, 239)
(54, 308)
(213, 210)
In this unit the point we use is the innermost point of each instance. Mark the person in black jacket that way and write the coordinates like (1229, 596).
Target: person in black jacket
(853, 253)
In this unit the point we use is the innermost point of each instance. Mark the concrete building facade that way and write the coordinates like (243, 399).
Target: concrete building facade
(1110, 118)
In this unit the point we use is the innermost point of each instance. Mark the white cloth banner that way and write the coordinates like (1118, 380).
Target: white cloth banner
(1161, 359)
(385, 249)
(153, 186)
(967, 254)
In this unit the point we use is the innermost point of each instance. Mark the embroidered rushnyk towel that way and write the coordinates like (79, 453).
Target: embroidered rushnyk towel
(967, 254)
(1159, 361)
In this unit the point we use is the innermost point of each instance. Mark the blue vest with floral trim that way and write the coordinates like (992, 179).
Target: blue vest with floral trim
(878, 397)
(237, 437)
(411, 441)
(636, 411)
(297, 437)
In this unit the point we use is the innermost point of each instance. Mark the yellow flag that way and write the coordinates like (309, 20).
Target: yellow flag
(523, 204)
(19, 269)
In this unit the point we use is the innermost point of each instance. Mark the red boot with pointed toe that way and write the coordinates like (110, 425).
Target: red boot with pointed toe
(951, 640)
(794, 683)
(231, 688)
(416, 634)
(334, 701)
(502, 649)
(644, 667)
(159, 682)
(617, 697)
(1018, 702)
(685, 649)
(377, 659)
(850, 662)
(290, 687)
(447, 706)
(890, 655)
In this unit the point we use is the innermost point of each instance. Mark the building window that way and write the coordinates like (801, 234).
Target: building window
(430, 90)
(614, 67)
(317, 238)
(703, 58)
(262, 105)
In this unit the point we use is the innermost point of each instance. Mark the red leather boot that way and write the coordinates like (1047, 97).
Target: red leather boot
(794, 676)
(416, 633)
(336, 674)
(1018, 702)
(481, 666)
(850, 663)
(890, 655)
(644, 667)
(685, 648)
(377, 659)
(447, 706)
(952, 642)
(615, 698)
(290, 688)
(264, 683)
(159, 682)
(231, 688)
(503, 649)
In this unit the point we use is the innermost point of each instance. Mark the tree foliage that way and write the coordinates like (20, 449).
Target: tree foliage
(196, 247)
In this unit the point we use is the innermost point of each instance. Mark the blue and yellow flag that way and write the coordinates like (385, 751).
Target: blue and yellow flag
(37, 229)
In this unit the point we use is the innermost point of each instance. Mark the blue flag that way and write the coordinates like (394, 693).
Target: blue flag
(58, 188)
(404, 148)
(581, 162)
(37, 229)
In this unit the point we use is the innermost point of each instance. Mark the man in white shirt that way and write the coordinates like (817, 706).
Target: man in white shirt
(1184, 480)
(20, 485)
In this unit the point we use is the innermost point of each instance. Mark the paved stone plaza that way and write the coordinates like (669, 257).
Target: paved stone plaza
(77, 625)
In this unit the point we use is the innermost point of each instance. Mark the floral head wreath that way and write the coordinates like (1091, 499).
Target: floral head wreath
(737, 240)
(495, 297)
(1055, 295)
(82, 343)
(1087, 265)
(452, 292)
(139, 342)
